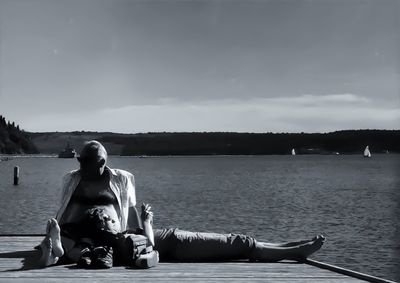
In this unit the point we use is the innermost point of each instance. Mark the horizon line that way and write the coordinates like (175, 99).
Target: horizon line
(206, 132)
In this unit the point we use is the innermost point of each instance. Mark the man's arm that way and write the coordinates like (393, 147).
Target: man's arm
(63, 194)
(147, 221)
(134, 221)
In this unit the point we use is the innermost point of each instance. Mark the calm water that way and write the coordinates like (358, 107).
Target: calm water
(352, 200)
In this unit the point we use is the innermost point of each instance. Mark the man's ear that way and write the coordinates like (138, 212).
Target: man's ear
(102, 162)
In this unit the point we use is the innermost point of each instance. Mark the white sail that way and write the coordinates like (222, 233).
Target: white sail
(293, 151)
(367, 153)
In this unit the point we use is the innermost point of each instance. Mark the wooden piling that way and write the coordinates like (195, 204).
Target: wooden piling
(16, 175)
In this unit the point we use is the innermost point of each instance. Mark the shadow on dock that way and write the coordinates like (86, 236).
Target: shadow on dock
(29, 259)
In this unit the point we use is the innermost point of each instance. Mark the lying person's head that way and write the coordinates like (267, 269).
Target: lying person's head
(92, 159)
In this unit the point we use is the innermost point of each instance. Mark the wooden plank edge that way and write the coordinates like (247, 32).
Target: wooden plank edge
(22, 235)
(345, 271)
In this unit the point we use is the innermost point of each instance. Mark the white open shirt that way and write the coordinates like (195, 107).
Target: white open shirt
(122, 184)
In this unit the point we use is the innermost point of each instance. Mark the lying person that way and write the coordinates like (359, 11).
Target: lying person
(98, 216)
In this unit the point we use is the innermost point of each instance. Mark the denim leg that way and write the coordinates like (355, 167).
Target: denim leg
(164, 242)
(175, 244)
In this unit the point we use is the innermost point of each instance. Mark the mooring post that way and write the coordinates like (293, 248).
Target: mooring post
(16, 175)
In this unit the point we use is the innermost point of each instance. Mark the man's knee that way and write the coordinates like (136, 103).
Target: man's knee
(165, 242)
(243, 243)
(199, 246)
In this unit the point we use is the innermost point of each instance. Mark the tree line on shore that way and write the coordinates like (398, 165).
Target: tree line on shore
(13, 140)
(343, 142)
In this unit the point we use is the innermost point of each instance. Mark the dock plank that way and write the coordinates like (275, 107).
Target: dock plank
(14, 250)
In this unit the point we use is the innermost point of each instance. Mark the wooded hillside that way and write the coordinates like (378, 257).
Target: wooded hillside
(13, 139)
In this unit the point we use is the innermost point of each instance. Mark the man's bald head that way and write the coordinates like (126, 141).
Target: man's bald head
(94, 150)
(93, 159)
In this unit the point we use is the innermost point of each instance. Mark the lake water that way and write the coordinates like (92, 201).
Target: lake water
(352, 200)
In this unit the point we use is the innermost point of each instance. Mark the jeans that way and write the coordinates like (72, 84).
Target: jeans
(178, 245)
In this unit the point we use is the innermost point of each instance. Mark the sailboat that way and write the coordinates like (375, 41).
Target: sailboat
(367, 153)
(293, 151)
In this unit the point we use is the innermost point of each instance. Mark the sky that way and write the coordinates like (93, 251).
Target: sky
(246, 66)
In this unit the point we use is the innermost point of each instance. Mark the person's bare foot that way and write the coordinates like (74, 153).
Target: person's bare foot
(307, 249)
(271, 253)
(53, 230)
(47, 258)
(291, 244)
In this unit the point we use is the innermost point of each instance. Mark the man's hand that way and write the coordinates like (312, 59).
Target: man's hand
(147, 219)
(147, 214)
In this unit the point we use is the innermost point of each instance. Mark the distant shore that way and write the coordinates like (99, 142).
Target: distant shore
(8, 157)
(224, 143)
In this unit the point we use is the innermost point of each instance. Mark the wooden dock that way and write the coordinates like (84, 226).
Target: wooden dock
(17, 260)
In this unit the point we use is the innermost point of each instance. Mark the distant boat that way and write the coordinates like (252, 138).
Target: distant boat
(367, 153)
(68, 152)
(293, 151)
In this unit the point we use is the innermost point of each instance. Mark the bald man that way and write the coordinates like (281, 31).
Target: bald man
(98, 223)
(96, 202)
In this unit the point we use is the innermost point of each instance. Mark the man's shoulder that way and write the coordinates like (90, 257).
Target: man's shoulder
(123, 174)
(71, 174)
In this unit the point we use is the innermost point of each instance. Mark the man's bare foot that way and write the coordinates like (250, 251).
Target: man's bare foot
(53, 230)
(47, 258)
(307, 249)
(290, 244)
(271, 253)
